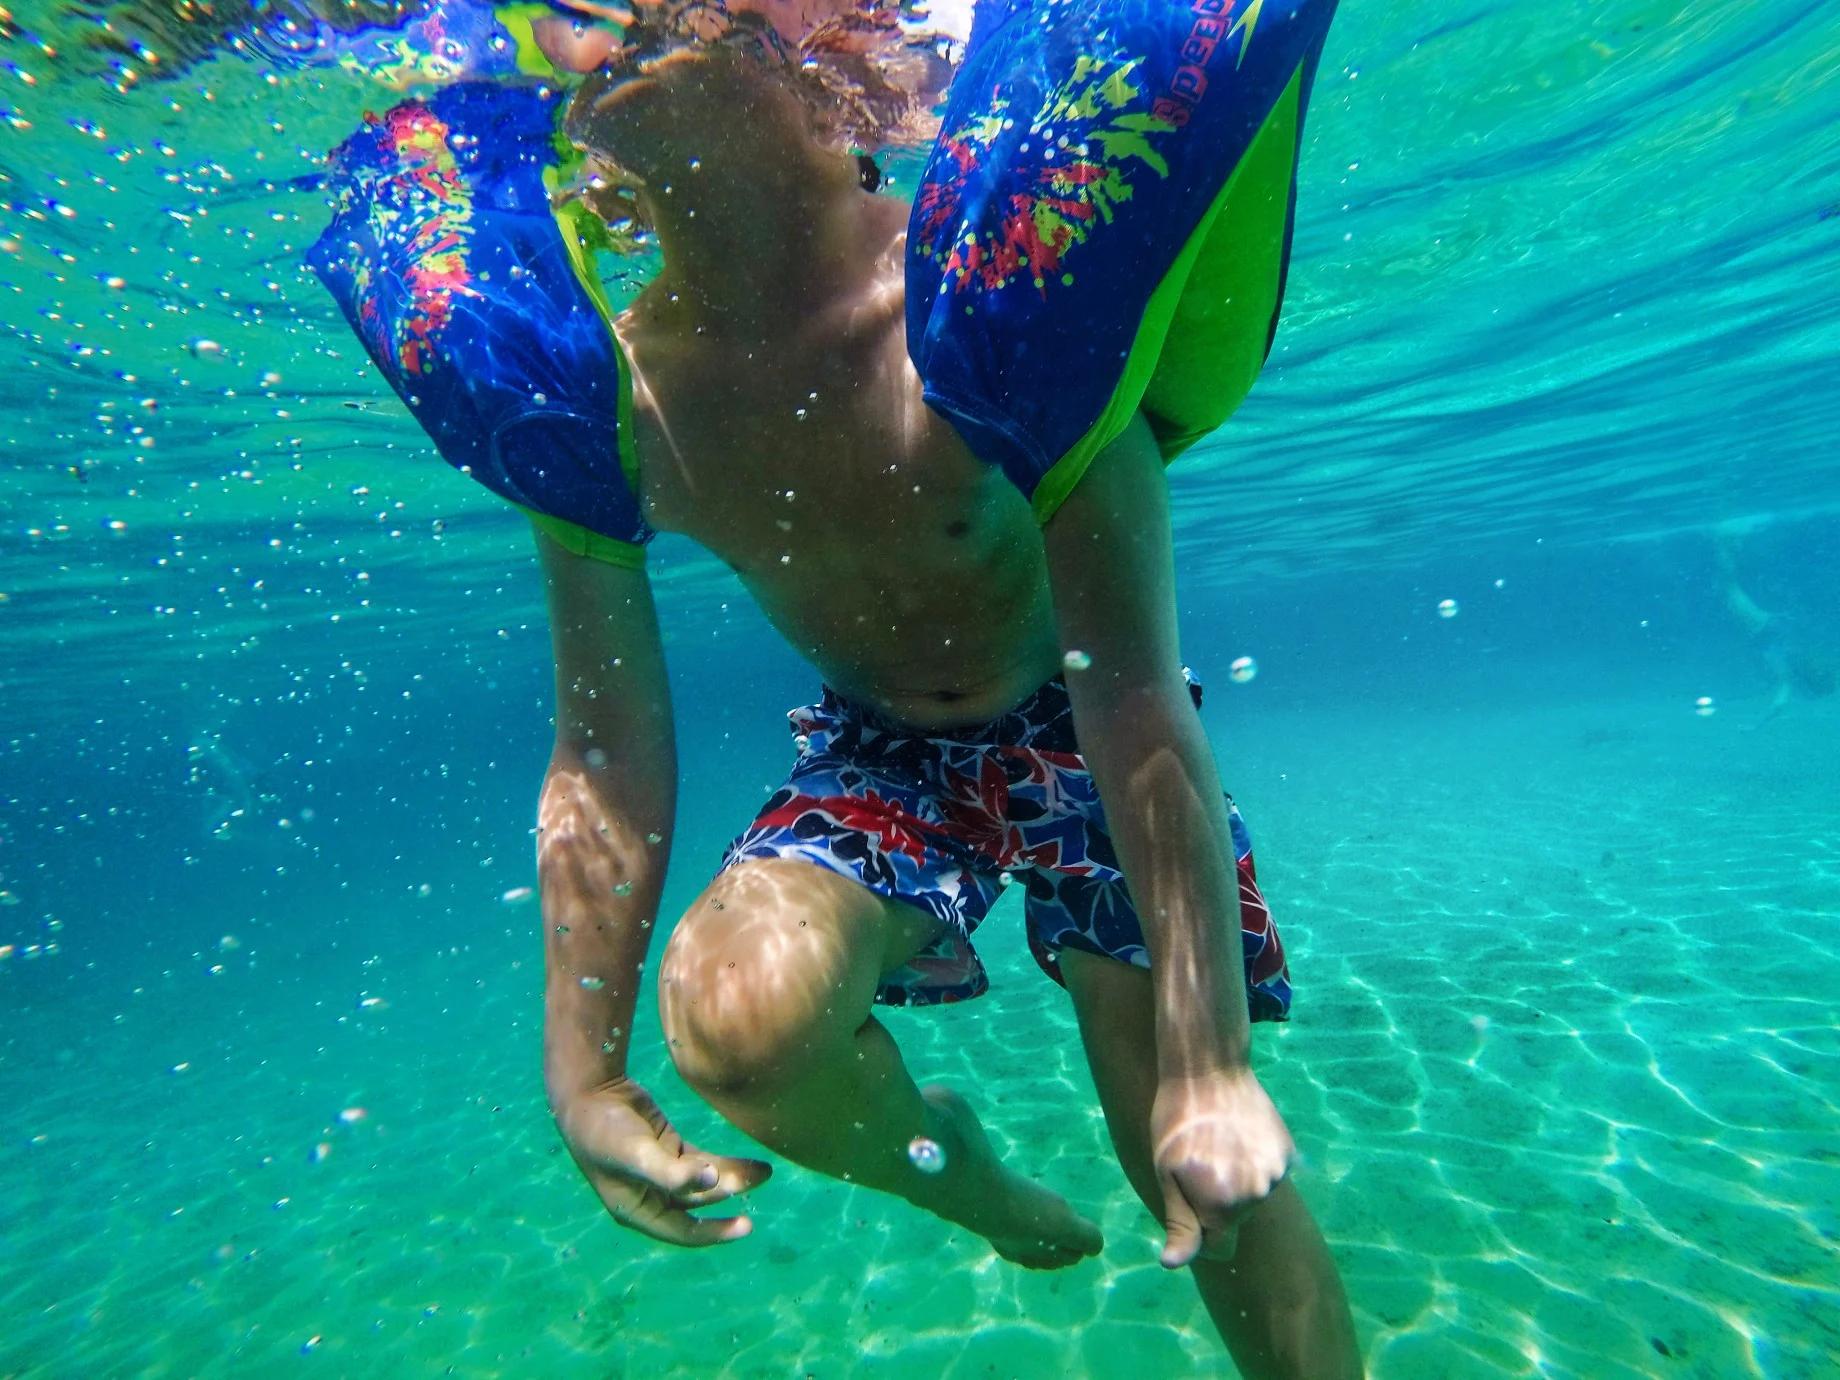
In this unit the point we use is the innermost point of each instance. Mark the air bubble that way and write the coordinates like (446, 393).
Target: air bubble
(593, 984)
(595, 758)
(926, 1155)
(1076, 660)
(1704, 707)
(1447, 608)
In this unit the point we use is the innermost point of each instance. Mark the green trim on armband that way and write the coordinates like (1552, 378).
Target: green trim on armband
(1203, 394)
(626, 442)
(580, 541)
(584, 232)
(516, 19)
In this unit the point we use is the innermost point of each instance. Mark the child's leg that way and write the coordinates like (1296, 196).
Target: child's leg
(1279, 1302)
(765, 993)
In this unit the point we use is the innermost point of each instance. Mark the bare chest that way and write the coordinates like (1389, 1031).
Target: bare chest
(910, 573)
(776, 457)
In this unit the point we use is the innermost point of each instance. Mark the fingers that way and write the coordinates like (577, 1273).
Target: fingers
(1181, 1227)
(652, 1216)
(731, 1176)
(647, 1176)
(681, 1229)
(687, 1175)
(1191, 1234)
(675, 1172)
(1188, 1238)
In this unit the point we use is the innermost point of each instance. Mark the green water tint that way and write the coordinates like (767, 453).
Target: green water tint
(1563, 1071)
(1562, 1076)
(1554, 265)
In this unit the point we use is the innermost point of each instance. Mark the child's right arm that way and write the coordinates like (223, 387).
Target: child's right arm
(604, 831)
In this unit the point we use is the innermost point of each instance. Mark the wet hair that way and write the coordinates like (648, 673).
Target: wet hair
(869, 77)
(867, 82)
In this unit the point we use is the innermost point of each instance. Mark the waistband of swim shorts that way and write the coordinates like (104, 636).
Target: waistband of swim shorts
(1037, 720)
(1036, 710)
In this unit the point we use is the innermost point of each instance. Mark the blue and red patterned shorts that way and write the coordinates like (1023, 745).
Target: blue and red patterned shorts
(945, 823)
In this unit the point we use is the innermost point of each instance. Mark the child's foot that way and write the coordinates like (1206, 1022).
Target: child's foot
(1025, 1223)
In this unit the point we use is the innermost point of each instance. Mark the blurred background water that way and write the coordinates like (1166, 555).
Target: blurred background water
(1559, 880)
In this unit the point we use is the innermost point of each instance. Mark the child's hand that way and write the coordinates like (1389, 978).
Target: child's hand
(648, 1176)
(1220, 1147)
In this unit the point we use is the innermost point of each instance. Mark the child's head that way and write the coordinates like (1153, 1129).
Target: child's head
(751, 84)
(867, 74)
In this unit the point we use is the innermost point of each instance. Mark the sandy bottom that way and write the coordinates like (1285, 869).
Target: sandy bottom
(1564, 1071)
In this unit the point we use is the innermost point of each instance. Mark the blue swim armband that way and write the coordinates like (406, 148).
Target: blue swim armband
(1104, 223)
(480, 306)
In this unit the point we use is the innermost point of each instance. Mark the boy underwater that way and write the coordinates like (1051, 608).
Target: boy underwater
(930, 440)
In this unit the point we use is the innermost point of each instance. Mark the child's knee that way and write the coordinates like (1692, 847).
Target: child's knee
(756, 987)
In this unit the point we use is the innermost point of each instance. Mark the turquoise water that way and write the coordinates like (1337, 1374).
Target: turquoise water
(1564, 1068)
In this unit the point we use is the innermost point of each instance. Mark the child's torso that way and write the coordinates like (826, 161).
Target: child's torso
(909, 572)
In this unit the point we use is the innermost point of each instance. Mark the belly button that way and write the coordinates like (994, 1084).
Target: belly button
(958, 529)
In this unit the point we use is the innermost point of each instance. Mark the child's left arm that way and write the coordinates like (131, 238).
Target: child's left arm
(1220, 1145)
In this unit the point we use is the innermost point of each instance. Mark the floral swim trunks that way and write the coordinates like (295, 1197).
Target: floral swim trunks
(945, 823)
